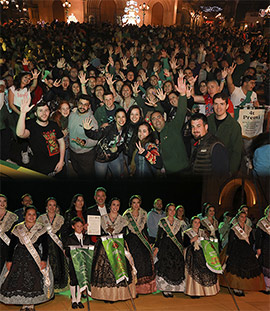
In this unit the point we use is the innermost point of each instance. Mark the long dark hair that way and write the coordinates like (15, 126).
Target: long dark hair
(18, 79)
(73, 201)
(150, 138)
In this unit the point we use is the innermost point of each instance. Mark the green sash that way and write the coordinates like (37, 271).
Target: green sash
(140, 236)
(168, 230)
(114, 248)
(210, 251)
(82, 258)
(247, 100)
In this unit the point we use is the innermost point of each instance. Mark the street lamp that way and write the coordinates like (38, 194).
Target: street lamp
(66, 6)
(4, 3)
(144, 7)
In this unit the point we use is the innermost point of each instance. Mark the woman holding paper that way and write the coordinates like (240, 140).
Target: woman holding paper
(139, 246)
(30, 279)
(7, 220)
(243, 271)
(170, 263)
(105, 284)
(53, 223)
(200, 281)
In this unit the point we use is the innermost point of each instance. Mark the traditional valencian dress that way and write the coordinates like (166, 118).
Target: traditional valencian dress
(243, 270)
(57, 258)
(170, 265)
(25, 283)
(211, 228)
(200, 281)
(263, 243)
(141, 251)
(103, 285)
(6, 224)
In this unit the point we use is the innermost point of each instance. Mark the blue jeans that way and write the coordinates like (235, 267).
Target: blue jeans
(114, 166)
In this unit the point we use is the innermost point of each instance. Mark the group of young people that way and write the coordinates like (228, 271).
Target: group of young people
(118, 103)
(36, 259)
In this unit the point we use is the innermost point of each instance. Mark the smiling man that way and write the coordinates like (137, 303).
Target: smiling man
(227, 129)
(209, 155)
(45, 137)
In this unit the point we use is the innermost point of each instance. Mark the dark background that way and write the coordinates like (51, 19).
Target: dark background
(186, 191)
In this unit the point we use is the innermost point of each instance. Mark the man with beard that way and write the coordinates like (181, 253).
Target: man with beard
(209, 155)
(45, 138)
(82, 153)
(153, 218)
(26, 200)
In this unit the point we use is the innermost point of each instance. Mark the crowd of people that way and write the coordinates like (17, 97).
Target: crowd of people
(163, 250)
(107, 101)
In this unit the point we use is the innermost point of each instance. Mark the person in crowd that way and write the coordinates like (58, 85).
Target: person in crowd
(110, 145)
(26, 200)
(224, 229)
(77, 209)
(169, 138)
(7, 221)
(242, 268)
(82, 153)
(146, 159)
(210, 223)
(103, 284)
(209, 155)
(45, 137)
(200, 281)
(180, 214)
(134, 119)
(262, 244)
(30, 280)
(53, 223)
(170, 265)
(79, 239)
(227, 129)
(139, 246)
(105, 114)
(242, 208)
(153, 218)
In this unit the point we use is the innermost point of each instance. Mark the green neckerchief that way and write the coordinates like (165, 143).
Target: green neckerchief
(168, 230)
(136, 229)
(247, 100)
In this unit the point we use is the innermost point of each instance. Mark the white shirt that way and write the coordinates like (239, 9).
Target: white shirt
(238, 96)
(79, 237)
(20, 95)
(102, 210)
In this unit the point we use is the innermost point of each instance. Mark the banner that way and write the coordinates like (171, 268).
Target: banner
(114, 247)
(210, 251)
(251, 122)
(82, 258)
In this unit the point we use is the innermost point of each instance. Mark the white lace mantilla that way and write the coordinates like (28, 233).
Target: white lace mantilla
(176, 226)
(242, 234)
(57, 223)
(118, 225)
(141, 220)
(33, 234)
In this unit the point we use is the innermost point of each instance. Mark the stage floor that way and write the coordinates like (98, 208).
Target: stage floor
(253, 301)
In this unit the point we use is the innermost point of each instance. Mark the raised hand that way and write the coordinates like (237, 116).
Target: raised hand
(85, 64)
(173, 64)
(150, 102)
(111, 61)
(135, 87)
(160, 94)
(166, 72)
(35, 74)
(192, 80)
(135, 62)
(109, 79)
(57, 83)
(164, 54)
(25, 62)
(181, 86)
(143, 76)
(141, 150)
(230, 70)
(125, 62)
(82, 78)
(61, 63)
(25, 105)
(181, 73)
(87, 123)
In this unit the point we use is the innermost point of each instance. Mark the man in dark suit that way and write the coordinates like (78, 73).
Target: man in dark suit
(100, 208)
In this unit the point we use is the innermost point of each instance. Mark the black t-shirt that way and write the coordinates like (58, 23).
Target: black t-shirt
(44, 144)
(110, 114)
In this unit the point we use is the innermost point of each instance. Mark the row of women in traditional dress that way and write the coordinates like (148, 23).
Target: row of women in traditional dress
(175, 263)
